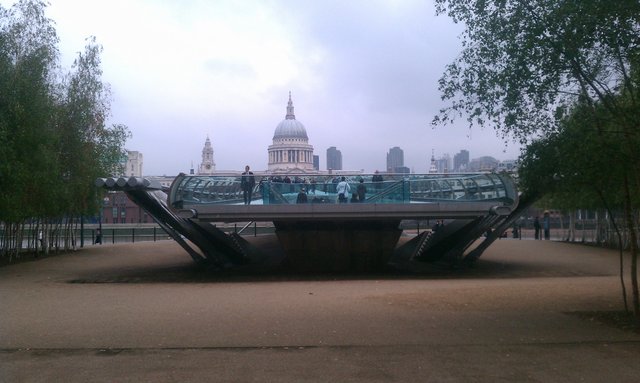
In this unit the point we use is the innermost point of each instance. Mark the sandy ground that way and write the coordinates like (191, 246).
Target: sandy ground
(144, 313)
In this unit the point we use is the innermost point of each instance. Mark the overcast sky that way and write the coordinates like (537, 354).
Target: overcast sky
(363, 77)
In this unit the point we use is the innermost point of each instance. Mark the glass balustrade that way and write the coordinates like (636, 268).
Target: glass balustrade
(379, 189)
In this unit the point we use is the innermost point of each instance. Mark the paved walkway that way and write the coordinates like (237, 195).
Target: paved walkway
(143, 313)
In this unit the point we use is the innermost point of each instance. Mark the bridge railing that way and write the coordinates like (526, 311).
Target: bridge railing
(380, 188)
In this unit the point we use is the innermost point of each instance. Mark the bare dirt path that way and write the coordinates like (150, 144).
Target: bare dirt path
(144, 312)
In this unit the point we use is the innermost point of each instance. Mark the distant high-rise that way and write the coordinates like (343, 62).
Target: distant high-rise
(334, 159)
(316, 162)
(395, 159)
(443, 164)
(461, 161)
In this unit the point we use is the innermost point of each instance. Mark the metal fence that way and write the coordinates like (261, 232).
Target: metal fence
(122, 234)
(130, 233)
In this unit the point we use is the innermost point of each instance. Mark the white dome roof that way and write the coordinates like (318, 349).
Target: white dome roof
(290, 127)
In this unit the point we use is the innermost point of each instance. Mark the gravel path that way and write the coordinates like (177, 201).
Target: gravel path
(144, 312)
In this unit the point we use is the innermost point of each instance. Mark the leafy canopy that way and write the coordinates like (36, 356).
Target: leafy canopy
(53, 138)
(524, 64)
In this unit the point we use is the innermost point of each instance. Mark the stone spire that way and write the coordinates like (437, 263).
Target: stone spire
(290, 115)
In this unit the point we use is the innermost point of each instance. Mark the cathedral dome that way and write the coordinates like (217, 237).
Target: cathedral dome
(290, 151)
(290, 127)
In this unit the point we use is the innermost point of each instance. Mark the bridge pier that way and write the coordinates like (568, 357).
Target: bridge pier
(338, 246)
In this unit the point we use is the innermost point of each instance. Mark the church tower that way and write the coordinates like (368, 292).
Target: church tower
(207, 166)
(433, 168)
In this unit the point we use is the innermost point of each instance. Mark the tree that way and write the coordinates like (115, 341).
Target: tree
(572, 169)
(54, 140)
(577, 157)
(87, 148)
(525, 66)
(28, 57)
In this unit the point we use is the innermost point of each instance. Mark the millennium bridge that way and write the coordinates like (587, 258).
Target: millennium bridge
(318, 233)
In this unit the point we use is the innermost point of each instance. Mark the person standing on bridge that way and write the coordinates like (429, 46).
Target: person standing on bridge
(362, 190)
(247, 182)
(302, 196)
(343, 189)
(377, 180)
(313, 185)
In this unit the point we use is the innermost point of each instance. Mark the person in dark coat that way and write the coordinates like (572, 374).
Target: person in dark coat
(377, 180)
(362, 190)
(247, 182)
(536, 228)
(546, 225)
(302, 196)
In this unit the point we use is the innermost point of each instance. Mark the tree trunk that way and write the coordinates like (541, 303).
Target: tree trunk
(633, 245)
(571, 232)
(582, 224)
(612, 221)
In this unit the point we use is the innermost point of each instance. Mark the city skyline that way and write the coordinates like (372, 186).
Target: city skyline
(363, 75)
(444, 163)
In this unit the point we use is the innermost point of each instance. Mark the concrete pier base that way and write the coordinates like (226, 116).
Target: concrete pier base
(338, 246)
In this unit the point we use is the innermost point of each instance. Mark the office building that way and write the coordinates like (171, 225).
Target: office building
(395, 159)
(461, 161)
(334, 159)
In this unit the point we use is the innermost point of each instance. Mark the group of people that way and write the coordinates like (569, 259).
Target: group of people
(311, 183)
(343, 189)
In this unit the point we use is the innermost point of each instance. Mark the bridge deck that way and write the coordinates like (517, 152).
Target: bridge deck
(351, 212)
